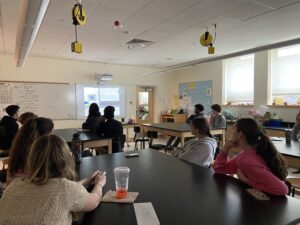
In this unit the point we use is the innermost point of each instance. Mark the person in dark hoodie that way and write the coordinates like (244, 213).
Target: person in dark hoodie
(94, 118)
(199, 108)
(111, 128)
(8, 128)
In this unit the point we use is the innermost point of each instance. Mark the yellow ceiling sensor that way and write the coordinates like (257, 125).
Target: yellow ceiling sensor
(76, 47)
(79, 15)
(206, 39)
(211, 49)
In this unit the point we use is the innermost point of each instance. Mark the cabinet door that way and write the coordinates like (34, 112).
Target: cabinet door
(275, 133)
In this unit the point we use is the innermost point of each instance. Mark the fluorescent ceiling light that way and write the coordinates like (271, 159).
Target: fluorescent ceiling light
(31, 16)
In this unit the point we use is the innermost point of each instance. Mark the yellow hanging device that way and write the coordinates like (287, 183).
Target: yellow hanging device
(206, 39)
(79, 18)
(79, 15)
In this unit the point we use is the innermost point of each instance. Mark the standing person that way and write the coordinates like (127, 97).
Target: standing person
(112, 128)
(217, 120)
(8, 128)
(259, 164)
(198, 113)
(201, 149)
(94, 118)
(26, 116)
(50, 193)
(32, 129)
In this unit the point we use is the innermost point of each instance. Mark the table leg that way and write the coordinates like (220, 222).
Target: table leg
(182, 140)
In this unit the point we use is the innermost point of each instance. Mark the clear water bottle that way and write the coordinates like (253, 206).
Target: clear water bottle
(76, 147)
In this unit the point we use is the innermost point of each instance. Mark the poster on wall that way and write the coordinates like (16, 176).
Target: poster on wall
(197, 92)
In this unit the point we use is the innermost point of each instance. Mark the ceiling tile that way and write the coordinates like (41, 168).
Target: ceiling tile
(275, 4)
(246, 11)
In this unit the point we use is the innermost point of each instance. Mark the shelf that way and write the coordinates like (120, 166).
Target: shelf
(237, 105)
(284, 106)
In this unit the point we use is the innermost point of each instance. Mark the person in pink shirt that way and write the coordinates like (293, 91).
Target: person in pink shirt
(259, 164)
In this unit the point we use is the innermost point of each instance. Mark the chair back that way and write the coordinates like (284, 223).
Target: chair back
(137, 129)
(152, 134)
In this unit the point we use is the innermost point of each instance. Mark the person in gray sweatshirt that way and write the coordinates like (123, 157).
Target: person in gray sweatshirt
(201, 149)
(217, 120)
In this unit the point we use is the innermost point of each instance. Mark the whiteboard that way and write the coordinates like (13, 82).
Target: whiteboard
(55, 101)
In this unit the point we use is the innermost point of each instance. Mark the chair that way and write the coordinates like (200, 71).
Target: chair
(153, 135)
(138, 138)
(293, 184)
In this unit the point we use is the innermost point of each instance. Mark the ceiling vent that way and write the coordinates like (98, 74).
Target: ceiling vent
(138, 43)
(31, 16)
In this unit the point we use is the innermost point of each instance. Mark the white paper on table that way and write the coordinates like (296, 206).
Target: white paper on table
(145, 214)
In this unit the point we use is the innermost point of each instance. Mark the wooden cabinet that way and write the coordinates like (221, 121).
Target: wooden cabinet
(173, 118)
(275, 133)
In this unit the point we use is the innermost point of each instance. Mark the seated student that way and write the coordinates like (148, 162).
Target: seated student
(259, 164)
(94, 118)
(50, 194)
(217, 120)
(111, 128)
(201, 149)
(295, 131)
(8, 128)
(23, 141)
(198, 113)
(26, 116)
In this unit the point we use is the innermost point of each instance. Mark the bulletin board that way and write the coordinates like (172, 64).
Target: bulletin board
(196, 92)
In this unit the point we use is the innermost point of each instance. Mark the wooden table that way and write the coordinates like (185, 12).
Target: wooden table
(184, 194)
(291, 152)
(88, 139)
(181, 130)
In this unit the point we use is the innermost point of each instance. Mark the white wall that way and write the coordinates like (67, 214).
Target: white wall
(68, 71)
(214, 70)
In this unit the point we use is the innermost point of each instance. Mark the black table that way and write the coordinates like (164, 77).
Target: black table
(88, 139)
(290, 151)
(181, 130)
(183, 194)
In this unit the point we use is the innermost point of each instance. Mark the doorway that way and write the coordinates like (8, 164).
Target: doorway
(144, 107)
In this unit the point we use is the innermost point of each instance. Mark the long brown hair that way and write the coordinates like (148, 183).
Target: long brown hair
(32, 129)
(202, 125)
(264, 147)
(50, 157)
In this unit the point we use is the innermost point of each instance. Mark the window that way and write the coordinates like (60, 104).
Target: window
(103, 95)
(239, 80)
(285, 77)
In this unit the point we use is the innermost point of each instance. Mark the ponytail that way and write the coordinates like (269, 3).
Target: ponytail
(264, 147)
(274, 160)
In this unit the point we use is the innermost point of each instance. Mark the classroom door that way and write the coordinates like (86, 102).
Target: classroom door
(144, 107)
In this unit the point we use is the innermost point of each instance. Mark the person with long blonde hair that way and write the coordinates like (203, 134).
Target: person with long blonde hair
(49, 194)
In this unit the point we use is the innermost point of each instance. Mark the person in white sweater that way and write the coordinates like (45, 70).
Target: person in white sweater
(201, 149)
(49, 194)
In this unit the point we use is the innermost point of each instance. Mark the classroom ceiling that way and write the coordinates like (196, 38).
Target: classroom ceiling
(173, 25)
